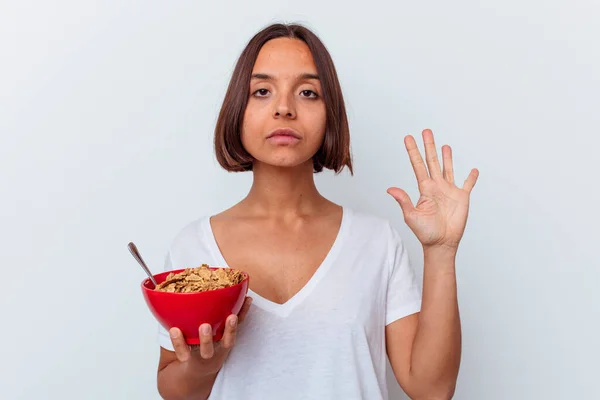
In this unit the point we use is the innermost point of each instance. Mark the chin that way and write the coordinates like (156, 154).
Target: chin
(285, 162)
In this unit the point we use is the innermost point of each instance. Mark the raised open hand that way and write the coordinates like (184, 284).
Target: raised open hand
(440, 216)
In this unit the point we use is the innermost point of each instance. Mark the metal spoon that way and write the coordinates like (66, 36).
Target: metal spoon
(136, 254)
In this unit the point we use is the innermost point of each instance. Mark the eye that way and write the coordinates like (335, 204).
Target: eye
(261, 93)
(309, 94)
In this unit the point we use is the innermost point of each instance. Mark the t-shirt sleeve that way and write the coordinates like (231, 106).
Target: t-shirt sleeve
(403, 291)
(164, 340)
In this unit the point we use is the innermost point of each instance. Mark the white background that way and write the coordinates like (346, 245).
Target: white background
(106, 117)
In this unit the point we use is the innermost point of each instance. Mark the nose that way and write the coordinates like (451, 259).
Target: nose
(284, 108)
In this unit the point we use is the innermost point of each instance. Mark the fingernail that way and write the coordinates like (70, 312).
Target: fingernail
(233, 321)
(174, 334)
(206, 330)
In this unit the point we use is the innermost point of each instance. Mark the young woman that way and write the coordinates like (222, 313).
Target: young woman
(332, 291)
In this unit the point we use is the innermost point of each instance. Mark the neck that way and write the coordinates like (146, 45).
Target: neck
(283, 192)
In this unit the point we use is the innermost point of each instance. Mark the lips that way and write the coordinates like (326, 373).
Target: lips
(285, 132)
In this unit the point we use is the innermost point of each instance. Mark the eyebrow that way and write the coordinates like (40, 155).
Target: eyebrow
(266, 77)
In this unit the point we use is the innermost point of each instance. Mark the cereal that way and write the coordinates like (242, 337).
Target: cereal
(200, 279)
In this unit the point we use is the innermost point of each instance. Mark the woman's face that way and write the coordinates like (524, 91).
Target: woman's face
(284, 121)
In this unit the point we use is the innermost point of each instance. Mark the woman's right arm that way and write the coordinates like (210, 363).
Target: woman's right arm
(189, 373)
(177, 381)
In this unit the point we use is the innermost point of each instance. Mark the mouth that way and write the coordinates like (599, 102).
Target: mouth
(284, 133)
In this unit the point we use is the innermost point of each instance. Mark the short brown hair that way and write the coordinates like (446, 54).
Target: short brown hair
(333, 154)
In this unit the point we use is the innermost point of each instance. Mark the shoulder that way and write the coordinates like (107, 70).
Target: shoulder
(370, 223)
(375, 238)
(190, 232)
(190, 244)
(373, 228)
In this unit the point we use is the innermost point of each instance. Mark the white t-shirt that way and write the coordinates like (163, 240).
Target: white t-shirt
(327, 341)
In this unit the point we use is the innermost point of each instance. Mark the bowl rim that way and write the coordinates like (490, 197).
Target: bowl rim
(147, 280)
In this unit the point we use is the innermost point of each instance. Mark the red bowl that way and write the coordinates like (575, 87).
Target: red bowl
(187, 311)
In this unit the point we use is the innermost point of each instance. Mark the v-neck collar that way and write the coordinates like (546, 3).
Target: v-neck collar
(286, 308)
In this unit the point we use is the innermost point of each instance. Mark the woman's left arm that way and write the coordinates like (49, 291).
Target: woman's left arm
(425, 348)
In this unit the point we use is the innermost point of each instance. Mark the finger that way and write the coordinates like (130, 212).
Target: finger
(433, 164)
(448, 167)
(207, 349)
(471, 180)
(230, 332)
(403, 199)
(415, 159)
(244, 310)
(182, 350)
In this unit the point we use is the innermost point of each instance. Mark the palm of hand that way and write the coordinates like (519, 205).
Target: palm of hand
(440, 215)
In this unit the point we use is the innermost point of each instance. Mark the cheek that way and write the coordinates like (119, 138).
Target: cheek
(318, 126)
(249, 127)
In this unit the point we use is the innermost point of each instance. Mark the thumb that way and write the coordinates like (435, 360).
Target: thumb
(402, 198)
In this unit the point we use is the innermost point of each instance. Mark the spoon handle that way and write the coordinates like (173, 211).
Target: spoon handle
(136, 254)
